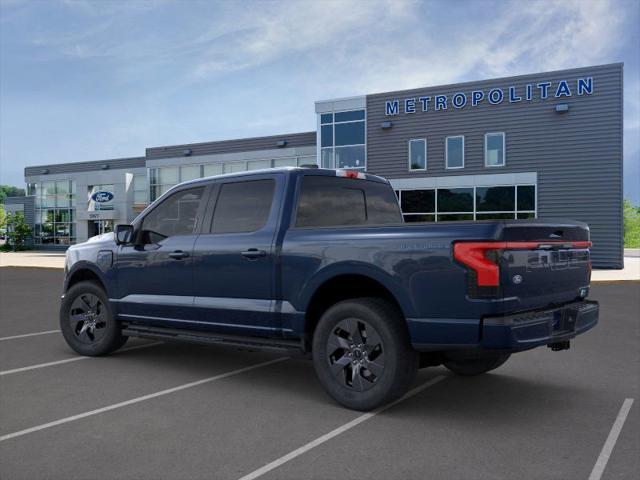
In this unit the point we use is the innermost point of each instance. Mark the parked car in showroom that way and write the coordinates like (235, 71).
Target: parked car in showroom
(319, 262)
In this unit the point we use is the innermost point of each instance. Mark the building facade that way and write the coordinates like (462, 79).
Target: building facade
(545, 145)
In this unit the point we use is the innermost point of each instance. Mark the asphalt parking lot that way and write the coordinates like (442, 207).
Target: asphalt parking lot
(174, 411)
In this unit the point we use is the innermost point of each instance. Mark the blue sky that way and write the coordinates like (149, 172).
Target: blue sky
(87, 80)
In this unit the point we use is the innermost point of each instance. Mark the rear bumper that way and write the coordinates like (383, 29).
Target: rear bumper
(515, 332)
(539, 327)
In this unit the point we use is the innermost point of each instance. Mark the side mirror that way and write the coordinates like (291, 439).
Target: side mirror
(124, 234)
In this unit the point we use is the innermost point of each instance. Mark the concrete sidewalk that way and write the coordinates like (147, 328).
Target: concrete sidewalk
(32, 258)
(49, 259)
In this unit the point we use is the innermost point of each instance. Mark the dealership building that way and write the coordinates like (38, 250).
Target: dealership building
(546, 145)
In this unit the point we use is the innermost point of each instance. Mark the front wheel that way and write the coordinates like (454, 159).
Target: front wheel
(476, 366)
(87, 322)
(362, 354)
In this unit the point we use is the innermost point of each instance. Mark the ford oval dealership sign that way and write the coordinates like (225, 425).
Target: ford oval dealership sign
(102, 197)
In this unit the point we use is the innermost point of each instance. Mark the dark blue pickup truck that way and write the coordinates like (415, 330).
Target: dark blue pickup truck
(319, 262)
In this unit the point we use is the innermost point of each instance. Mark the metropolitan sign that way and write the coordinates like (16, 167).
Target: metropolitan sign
(493, 96)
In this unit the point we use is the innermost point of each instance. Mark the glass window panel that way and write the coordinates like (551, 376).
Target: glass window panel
(327, 158)
(62, 187)
(73, 187)
(258, 164)
(526, 197)
(168, 176)
(350, 157)
(212, 169)
(419, 218)
(455, 217)
(176, 215)
(326, 134)
(307, 160)
(418, 201)
(154, 192)
(349, 133)
(494, 149)
(154, 176)
(349, 116)
(326, 118)
(285, 162)
(495, 199)
(189, 172)
(417, 154)
(235, 167)
(455, 152)
(139, 183)
(48, 188)
(495, 216)
(526, 215)
(243, 206)
(455, 200)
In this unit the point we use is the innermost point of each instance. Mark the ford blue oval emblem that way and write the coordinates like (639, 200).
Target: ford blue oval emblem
(102, 197)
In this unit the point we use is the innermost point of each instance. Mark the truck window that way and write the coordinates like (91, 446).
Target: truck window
(334, 201)
(174, 216)
(243, 206)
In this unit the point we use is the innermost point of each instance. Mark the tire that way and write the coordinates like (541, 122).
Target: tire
(476, 366)
(362, 354)
(87, 321)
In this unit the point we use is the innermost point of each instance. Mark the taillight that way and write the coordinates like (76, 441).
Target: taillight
(477, 257)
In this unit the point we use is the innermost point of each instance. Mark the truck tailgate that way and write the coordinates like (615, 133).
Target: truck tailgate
(544, 264)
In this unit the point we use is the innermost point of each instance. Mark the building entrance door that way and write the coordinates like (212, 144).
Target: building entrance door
(98, 227)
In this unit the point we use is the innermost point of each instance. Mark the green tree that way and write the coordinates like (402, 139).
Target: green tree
(18, 231)
(3, 218)
(631, 225)
(10, 191)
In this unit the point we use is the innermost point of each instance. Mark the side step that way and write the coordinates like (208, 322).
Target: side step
(294, 347)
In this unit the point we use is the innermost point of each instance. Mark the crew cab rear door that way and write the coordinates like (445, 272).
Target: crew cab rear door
(235, 258)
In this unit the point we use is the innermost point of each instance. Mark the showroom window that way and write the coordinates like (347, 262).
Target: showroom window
(418, 154)
(455, 151)
(140, 189)
(470, 203)
(494, 150)
(55, 212)
(342, 140)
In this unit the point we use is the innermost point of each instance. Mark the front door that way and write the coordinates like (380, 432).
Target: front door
(155, 276)
(234, 257)
(98, 227)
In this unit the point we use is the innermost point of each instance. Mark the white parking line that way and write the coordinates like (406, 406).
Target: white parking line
(67, 360)
(28, 335)
(334, 433)
(607, 449)
(137, 400)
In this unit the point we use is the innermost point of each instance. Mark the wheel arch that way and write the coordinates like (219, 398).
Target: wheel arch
(343, 286)
(84, 271)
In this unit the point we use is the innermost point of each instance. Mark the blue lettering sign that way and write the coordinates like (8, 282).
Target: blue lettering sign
(585, 85)
(544, 89)
(102, 197)
(410, 105)
(392, 107)
(425, 103)
(512, 95)
(459, 100)
(476, 97)
(496, 96)
(563, 89)
(441, 102)
(529, 92)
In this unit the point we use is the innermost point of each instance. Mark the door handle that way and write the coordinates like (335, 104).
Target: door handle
(178, 255)
(254, 254)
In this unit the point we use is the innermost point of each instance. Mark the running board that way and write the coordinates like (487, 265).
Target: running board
(295, 347)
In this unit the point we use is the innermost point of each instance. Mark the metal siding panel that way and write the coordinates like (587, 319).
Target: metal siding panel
(577, 155)
(113, 164)
(229, 146)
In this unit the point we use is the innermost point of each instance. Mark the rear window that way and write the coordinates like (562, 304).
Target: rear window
(335, 201)
(243, 206)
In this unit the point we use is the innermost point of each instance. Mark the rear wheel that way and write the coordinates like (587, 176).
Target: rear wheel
(476, 366)
(362, 353)
(87, 322)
